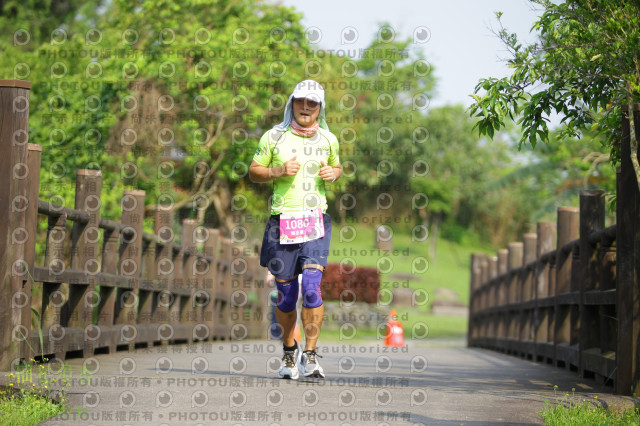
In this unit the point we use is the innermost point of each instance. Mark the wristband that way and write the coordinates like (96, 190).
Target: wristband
(334, 178)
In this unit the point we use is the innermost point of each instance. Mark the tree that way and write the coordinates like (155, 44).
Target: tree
(551, 175)
(376, 103)
(459, 166)
(585, 66)
(162, 95)
(27, 20)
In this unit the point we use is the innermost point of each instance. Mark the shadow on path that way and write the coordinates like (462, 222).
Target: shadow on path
(234, 383)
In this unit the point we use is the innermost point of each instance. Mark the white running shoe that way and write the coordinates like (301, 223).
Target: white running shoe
(309, 365)
(289, 366)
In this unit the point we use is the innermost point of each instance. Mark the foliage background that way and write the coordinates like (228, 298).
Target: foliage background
(171, 97)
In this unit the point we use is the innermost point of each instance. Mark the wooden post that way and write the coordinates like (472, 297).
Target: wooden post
(31, 225)
(476, 277)
(53, 295)
(503, 268)
(14, 125)
(514, 261)
(591, 220)
(493, 274)
(608, 316)
(568, 221)
(211, 278)
(188, 315)
(239, 273)
(146, 293)
(240, 277)
(530, 242)
(568, 218)
(485, 281)
(107, 307)
(551, 329)
(201, 269)
(84, 249)
(130, 264)
(514, 264)
(546, 242)
(223, 291)
(491, 296)
(256, 313)
(526, 314)
(163, 228)
(178, 284)
(628, 258)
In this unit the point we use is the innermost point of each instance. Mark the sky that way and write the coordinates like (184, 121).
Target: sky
(459, 43)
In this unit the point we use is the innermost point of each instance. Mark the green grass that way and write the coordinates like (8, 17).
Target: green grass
(440, 328)
(571, 410)
(25, 408)
(448, 270)
(27, 398)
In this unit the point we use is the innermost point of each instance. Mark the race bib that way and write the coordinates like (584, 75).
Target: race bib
(302, 226)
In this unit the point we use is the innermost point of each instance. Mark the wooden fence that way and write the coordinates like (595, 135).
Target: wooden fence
(568, 294)
(120, 287)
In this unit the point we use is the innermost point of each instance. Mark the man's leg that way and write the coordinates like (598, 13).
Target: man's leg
(312, 306)
(287, 320)
(286, 315)
(313, 259)
(312, 323)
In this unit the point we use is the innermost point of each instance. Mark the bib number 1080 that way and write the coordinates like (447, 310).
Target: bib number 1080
(300, 227)
(297, 223)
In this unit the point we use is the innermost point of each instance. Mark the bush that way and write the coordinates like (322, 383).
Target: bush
(364, 284)
(454, 232)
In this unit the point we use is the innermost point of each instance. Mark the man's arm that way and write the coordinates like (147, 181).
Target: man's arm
(260, 174)
(329, 173)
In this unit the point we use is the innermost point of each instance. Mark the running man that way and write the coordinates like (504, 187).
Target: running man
(299, 155)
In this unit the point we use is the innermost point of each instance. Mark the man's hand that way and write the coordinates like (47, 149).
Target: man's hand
(326, 172)
(291, 167)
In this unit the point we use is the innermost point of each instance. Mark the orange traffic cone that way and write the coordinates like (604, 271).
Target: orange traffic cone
(395, 331)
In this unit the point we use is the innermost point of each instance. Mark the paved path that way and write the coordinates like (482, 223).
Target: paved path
(232, 383)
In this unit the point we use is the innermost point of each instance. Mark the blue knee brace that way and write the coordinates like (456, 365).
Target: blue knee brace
(311, 290)
(287, 295)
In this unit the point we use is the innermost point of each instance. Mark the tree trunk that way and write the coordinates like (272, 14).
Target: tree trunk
(634, 127)
(341, 212)
(221, 199)
(434, 234)
(422, 214)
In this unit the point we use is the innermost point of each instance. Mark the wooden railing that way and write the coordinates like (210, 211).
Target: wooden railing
(568, 294)
(108, 285)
